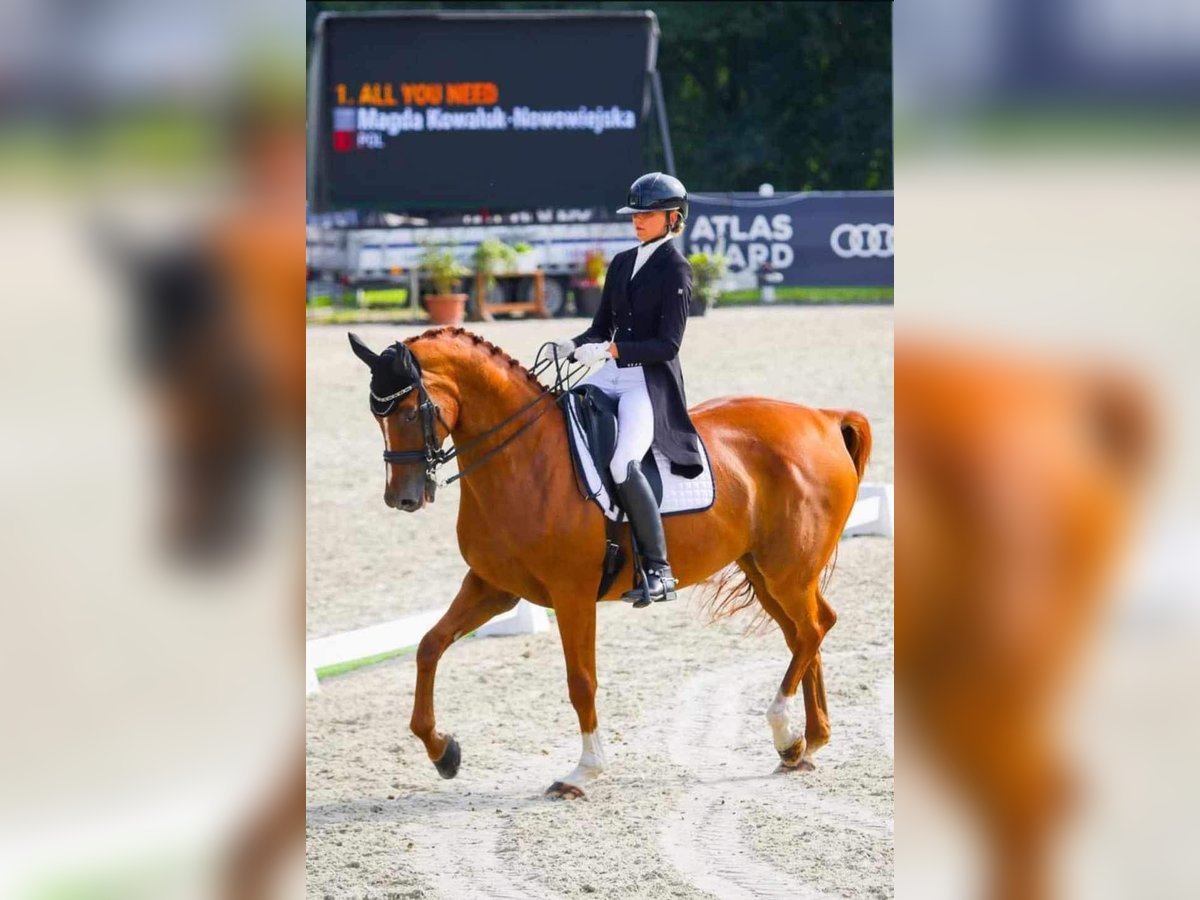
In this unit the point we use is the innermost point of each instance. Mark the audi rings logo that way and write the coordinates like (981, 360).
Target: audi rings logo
(862, 240)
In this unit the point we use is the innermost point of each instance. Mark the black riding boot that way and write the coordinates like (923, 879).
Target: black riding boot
(642, 509)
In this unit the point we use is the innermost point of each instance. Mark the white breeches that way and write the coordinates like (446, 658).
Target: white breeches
(635, 415)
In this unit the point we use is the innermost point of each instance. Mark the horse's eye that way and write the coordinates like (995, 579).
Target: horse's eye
(411, 417)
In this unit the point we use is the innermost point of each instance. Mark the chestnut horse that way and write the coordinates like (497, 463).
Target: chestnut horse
(786, 480)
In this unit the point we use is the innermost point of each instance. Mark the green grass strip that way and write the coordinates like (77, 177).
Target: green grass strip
(812, 295)
(355, 664)
(398, 316)
(386, 297)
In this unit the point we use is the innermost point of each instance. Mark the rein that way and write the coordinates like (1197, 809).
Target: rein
(434, 456)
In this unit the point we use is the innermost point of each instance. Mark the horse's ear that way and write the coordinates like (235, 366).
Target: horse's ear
(362, 351)
(405, 365)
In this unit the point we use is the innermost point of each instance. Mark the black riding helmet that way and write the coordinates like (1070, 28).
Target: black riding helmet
(656, 191)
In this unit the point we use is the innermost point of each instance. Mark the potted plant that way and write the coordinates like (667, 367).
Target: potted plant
(707, 271)
(445, 272)
(526, 260)
(590, 287)
(492, 256)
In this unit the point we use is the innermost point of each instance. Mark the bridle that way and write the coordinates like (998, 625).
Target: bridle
(432, 454)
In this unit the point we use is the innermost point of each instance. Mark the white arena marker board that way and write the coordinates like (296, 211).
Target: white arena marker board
(524, 618)
(363, 642)
(873, 513)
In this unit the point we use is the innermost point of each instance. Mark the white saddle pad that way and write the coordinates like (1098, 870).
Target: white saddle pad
(680, 494)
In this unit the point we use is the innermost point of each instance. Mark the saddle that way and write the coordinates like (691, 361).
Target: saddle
(594, 413)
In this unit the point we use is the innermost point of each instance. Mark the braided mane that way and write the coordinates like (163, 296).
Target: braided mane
(452, 333)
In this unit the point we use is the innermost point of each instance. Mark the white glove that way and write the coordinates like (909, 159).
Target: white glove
(563, 348)
(591, 353)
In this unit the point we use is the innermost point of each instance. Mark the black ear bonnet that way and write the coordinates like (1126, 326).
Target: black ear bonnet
(394, 376)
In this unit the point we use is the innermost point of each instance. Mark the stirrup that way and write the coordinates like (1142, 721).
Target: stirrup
(641, 597)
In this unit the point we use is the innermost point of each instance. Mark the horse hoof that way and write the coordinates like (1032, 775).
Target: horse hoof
(562, 791)
(447, 766)
(793, 755)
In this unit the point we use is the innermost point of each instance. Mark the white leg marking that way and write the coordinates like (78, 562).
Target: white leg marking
(591, 762)
(779, 715)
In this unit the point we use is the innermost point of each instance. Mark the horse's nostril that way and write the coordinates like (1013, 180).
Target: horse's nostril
(408, 505)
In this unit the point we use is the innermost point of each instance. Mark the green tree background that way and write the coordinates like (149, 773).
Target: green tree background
(795, 94)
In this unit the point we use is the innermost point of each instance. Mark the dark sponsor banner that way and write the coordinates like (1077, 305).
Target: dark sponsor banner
(457, 112)
(809, 239)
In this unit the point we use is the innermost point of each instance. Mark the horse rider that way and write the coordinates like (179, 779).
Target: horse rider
(637, 332)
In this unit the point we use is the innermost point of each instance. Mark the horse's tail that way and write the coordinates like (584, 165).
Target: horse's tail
(728, 593)
(856, 435)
